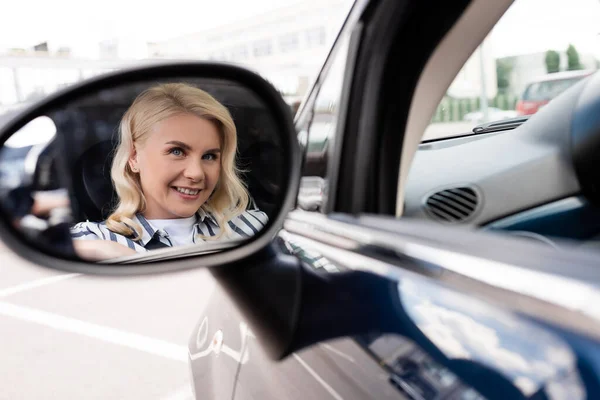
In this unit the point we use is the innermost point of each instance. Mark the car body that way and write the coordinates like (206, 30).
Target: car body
(412, 349)
(541, 90)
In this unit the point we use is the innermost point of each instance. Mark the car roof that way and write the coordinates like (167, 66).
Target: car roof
(563, 75)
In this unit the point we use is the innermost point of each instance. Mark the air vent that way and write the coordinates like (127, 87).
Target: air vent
(452, 205)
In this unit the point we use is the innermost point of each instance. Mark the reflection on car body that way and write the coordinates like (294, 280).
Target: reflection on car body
(429, 342)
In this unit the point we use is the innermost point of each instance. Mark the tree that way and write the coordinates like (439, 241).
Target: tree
(573, 62)
(552, 61)
(503, 70)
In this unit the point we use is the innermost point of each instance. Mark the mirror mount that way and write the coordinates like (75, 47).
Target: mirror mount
(268, 290)
(292, 306)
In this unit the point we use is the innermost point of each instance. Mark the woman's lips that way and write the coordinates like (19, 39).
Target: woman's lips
(187, 194)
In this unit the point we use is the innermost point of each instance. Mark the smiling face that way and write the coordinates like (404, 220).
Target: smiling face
(179, 165)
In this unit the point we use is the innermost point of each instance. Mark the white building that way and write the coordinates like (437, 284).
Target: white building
(122, 49)
(30, 76)
(287, 45)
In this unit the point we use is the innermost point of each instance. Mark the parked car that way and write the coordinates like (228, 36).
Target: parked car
(541, 90)
(409, 283)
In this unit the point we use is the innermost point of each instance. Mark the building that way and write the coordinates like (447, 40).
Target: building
(30, 76)
(120, 48)
(287, 45)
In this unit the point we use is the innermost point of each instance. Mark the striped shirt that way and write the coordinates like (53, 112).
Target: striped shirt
(247, 224)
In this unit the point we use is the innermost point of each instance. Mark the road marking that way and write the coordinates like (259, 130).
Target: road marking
(339, 353)
(332, 392)
(35, 284)
(216, 345)
(132, 340)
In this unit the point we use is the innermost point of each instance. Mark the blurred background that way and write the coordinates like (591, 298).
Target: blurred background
(537, 50)
(285, 43)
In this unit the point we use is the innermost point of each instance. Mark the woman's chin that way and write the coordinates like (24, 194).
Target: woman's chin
(181, 215)
(185, 211)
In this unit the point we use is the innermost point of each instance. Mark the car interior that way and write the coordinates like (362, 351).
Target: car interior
(527, 180)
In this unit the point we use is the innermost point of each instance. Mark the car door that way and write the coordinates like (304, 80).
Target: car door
(409, 311)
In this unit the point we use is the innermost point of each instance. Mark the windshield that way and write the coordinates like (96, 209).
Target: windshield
(521, 65)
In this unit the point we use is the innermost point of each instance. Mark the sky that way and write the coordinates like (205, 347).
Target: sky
(538, 25)
(528, 26)
(77, 23)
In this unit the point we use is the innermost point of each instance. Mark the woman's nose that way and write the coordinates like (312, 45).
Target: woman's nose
(194, 171)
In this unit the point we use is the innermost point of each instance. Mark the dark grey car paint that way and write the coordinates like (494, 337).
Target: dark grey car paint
(445, 330)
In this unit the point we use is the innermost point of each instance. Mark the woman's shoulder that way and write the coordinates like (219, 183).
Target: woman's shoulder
(89, 230)
(252, 219)
(256, 214)
(99, 231)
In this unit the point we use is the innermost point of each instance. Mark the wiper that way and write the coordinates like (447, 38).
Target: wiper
(504, 125)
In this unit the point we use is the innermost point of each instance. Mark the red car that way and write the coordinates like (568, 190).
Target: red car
(540, 91)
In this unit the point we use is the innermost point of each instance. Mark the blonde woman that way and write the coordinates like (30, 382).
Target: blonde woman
(175, 176)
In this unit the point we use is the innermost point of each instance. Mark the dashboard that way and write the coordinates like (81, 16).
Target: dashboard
(523, 180)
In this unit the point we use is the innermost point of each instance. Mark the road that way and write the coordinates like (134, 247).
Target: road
(70, 336)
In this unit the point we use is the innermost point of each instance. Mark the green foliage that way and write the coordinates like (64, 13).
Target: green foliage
(552, 61)
(503, 70)
(573, 62)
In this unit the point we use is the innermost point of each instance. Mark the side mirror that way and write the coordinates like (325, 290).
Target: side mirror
(149, 167)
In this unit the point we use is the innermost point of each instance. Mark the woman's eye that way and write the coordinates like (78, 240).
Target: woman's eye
(176, 152)
(210, 157)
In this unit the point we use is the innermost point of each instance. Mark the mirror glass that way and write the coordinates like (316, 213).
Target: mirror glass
(145, 171)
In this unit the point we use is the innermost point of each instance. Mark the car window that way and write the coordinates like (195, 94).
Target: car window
(326, 107)
(321, 130)
(524, 62)
(500, 177)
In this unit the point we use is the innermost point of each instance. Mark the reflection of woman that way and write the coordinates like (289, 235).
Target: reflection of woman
(175, 175)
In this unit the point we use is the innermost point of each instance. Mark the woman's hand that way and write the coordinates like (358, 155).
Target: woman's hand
(99, 250)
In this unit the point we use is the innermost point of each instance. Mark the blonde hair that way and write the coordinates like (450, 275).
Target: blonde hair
(230, 197)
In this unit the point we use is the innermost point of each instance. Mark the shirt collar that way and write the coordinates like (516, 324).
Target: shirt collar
(202, 215)
(148, 230)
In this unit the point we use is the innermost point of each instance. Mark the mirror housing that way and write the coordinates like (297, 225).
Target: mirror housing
(52, 256)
